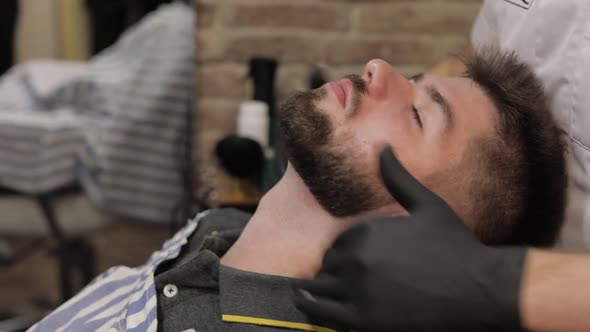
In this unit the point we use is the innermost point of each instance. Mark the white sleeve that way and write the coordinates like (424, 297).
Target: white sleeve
(485, 29)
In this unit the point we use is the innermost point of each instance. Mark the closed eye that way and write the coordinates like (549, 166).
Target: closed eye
(416, 116)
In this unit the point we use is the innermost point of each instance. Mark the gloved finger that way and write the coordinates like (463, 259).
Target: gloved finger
(408, 191)
(326, 310)
(338, 261)
(324, 285)
(351, 238)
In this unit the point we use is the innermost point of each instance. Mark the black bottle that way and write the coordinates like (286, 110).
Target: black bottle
(262, 72)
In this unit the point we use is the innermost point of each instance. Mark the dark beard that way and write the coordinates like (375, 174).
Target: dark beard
(333, 171)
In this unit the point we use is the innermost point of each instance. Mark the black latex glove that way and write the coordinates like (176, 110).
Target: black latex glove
(423, 272)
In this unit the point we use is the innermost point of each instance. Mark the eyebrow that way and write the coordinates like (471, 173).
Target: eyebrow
(438, 98)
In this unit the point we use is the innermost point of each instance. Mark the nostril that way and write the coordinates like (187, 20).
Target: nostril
(370, 71)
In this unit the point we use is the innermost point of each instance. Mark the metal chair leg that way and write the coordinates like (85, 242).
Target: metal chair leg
(75, 256)
(76, 266)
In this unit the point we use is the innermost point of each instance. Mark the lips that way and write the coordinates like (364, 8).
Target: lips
(341, 89)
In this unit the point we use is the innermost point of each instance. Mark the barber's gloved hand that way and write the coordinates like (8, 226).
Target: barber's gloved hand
(423, 272)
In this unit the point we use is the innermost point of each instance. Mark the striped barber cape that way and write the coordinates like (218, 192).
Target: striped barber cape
(117, 124)
(120, 299)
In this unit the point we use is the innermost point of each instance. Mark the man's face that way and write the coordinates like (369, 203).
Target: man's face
(334, 134)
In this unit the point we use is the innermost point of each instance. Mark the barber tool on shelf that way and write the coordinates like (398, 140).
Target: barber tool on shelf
(262, 73)
(240, 154)
(241, 157)
(255, 157)
(245, 156)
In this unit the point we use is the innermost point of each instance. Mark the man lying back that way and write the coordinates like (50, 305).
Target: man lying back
(485, 142)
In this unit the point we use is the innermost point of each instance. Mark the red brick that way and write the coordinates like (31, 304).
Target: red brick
(332, 17)
(291, 79)
(338, 72)
(222, 81)
(433, 18)
(285, 48)
(217, 115)
(206, 13)
(209, 45)
(397, 51)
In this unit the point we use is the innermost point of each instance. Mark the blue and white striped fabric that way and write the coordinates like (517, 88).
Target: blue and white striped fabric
(120, 299)
(115, 124)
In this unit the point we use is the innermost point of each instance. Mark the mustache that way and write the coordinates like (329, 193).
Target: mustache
(359, 85)
(359, 88)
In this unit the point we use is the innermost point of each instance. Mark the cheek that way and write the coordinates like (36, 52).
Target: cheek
(373, 130)
(378, 127)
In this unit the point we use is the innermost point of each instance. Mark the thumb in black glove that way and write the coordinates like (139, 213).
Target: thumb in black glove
(424, 272)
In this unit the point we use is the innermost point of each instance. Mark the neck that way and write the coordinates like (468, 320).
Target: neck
(289, 233)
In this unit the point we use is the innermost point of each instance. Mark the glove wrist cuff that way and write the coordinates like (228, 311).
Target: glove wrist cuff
(504, 285)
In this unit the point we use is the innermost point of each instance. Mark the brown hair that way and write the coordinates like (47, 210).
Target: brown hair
(522, 183)
(518, 193)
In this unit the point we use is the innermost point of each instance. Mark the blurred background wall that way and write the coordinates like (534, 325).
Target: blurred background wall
(38, 30)
(63, 29)
(56, 29)
(338, 35)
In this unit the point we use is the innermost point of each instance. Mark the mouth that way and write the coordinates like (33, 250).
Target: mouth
(341, 90)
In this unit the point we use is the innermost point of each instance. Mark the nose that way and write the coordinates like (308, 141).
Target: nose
(383, 81)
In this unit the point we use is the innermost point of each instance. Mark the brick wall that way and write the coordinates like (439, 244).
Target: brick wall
(339, 35)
